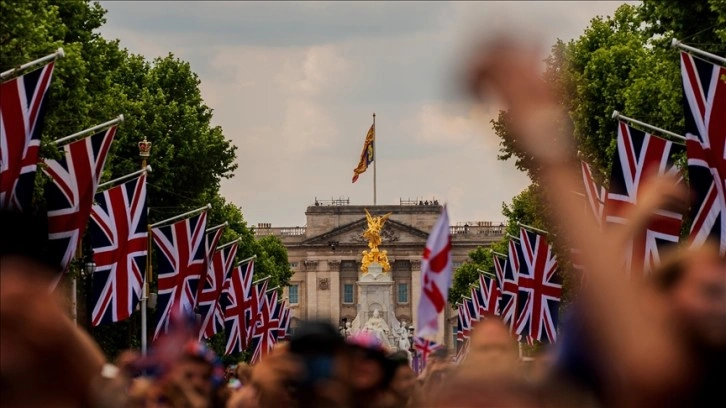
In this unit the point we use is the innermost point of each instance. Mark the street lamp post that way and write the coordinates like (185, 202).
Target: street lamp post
(144, 153)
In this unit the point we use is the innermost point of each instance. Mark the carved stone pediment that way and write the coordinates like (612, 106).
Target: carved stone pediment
(393, 232)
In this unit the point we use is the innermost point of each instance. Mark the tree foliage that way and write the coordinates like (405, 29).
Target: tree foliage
(160, 100)
(625, 63)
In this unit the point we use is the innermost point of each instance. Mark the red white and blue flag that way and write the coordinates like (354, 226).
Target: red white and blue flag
(285, 316)
(69, 196)
(489, 292)
(472, 310)
(424, 348)
(181, 260)
(21, 119)
(208, 300)
(436, 274)
(540, 289)
(639, 156)
(507, 279)
(704, 90)
(240, 305)
(595, 195)
(211, 241)
(120, 242)
(460, 322)
(268, 323)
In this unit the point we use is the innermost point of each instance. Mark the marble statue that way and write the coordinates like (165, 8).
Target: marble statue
(378, 326)
(401, 335)
(348, 329)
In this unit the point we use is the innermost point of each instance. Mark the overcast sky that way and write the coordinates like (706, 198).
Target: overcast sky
(294, 85)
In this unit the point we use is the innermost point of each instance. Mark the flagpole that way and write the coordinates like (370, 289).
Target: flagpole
(619, 116)
(215, 228)
(51, 57)
(702, 53)
(105, 125)
(533, 229)
(123, 178)
(180, 216)
(375, 157)
(144, 153)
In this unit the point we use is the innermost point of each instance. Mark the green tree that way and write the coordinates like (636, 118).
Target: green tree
(161, 101)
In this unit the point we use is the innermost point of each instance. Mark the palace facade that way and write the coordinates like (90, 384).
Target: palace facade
(325, 257)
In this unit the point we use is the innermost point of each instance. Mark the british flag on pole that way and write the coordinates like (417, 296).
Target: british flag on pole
(540, 289)
(507, 279)
(181, 263)
(641, 155)
(490, 293)
(285, 317)
(211, 240)
(21, 119)
(265, 331)
(208, 300)
(704, 90)
(424, 348)
(594, 194)
(119, 238)
(241, 305)
(69, 196)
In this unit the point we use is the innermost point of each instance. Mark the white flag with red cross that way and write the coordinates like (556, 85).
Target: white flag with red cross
(435, 277)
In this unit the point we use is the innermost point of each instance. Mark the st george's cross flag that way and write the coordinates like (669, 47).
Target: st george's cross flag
(704, 91)
(69, 197)
(119, 237)
(436, 275)
(22, 102)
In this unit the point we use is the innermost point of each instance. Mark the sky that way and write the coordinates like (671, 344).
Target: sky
(294, 86)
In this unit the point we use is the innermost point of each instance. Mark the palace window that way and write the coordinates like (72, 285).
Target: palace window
(347, 293)
(293, 294)
(403, 293)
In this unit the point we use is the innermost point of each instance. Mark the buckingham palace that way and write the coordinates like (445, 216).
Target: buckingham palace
(325, 257)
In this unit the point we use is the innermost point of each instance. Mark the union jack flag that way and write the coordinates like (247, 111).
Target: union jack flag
(639, 156)
(181, 264)
(460, 323)
(478, 298)
(208, 299)
(69, 197)
(540, 289)
(211, 241)
(285, 317)
(465, 319)
(119, 238)
(594, 195)
(489, 292)
(238, 306)
(472, 310)
(21, 119)
(265, 333)
(424, 348)
(508, 283)
(704, 90)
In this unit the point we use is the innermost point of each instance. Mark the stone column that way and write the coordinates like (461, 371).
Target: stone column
(415, 289)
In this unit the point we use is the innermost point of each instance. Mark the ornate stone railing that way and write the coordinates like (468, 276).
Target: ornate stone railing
(473, 230)
(280, 231)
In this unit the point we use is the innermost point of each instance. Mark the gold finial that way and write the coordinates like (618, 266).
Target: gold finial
(144, 148)
(373, 235)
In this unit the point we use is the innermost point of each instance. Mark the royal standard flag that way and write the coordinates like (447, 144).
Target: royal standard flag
(367, 155)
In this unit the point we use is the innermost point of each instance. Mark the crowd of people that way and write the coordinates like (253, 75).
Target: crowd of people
(656, 341)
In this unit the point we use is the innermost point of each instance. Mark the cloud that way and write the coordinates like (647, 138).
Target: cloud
(294, 85)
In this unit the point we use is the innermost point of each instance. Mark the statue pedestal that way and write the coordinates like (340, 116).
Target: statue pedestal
(375, 291)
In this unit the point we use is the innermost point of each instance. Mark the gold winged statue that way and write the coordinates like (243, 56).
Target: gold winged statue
(373, 235)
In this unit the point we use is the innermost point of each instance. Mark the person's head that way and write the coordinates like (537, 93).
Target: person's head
(367, 362)
(198, 369)
(403, 382)
(492, 346)
(694, 284)
(243, 372)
